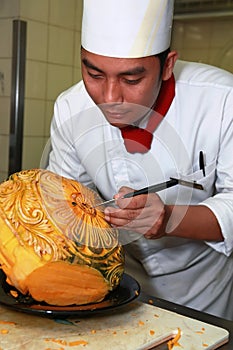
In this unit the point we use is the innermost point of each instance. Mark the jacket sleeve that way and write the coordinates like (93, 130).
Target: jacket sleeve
(221, 203)
(63, 158)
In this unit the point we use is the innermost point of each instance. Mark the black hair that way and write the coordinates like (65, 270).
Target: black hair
(162, 56)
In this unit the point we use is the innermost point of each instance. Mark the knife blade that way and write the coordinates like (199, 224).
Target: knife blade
(156, 188)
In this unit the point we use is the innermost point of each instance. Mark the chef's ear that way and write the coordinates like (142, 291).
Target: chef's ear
(169, 65)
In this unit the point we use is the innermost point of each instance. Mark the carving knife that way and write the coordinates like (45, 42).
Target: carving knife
(156, 188)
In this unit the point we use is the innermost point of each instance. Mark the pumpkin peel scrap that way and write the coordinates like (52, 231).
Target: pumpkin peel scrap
(68, 279)
(54, 245)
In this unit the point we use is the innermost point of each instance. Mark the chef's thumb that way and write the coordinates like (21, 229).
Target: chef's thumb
(123, 202)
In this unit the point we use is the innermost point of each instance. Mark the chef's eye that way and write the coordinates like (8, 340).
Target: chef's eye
(133, 81)
(94, 76)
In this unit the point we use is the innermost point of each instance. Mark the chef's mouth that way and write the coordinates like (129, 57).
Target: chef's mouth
(125, 114)
(116, 118)
(116, 114)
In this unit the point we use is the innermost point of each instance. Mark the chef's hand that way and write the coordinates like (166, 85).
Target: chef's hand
(143, 214)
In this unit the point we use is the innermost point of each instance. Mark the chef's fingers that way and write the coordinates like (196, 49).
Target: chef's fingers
(139, 220)
(120, 216)
(130, 208)
(124, 215)
(149, 227)
(141, 201)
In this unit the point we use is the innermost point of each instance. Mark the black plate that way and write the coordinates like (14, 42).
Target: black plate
(127, 291)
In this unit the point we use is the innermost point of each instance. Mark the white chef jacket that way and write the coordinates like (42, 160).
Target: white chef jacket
(87, 148)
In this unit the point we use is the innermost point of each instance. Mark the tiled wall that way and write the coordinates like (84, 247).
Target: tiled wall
(207, 40)
(5, 91)
(52, 65)
(53, 44)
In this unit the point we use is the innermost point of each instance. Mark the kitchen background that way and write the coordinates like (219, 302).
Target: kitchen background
(203, 32)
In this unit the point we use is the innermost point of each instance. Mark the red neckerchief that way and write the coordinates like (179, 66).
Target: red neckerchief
(139, 140)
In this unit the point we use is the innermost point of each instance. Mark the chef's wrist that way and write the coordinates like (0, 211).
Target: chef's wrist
(164, 229)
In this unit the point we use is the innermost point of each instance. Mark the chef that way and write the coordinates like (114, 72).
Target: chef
(140, 117)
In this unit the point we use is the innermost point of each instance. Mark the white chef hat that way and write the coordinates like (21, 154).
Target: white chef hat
(127, 28)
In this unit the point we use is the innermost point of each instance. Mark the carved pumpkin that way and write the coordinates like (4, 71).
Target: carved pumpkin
(54, 245)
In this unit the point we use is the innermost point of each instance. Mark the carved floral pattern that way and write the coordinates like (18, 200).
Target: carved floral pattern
(55, 216)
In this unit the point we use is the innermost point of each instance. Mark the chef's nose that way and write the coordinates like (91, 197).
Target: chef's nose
(113, 92)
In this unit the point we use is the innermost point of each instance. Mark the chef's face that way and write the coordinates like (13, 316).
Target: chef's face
(121, 85)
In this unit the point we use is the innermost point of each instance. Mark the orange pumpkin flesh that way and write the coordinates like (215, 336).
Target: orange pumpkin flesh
(60, 283)
(54, 245)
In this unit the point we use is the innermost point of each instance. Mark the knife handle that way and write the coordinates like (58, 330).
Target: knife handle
(153, 188)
